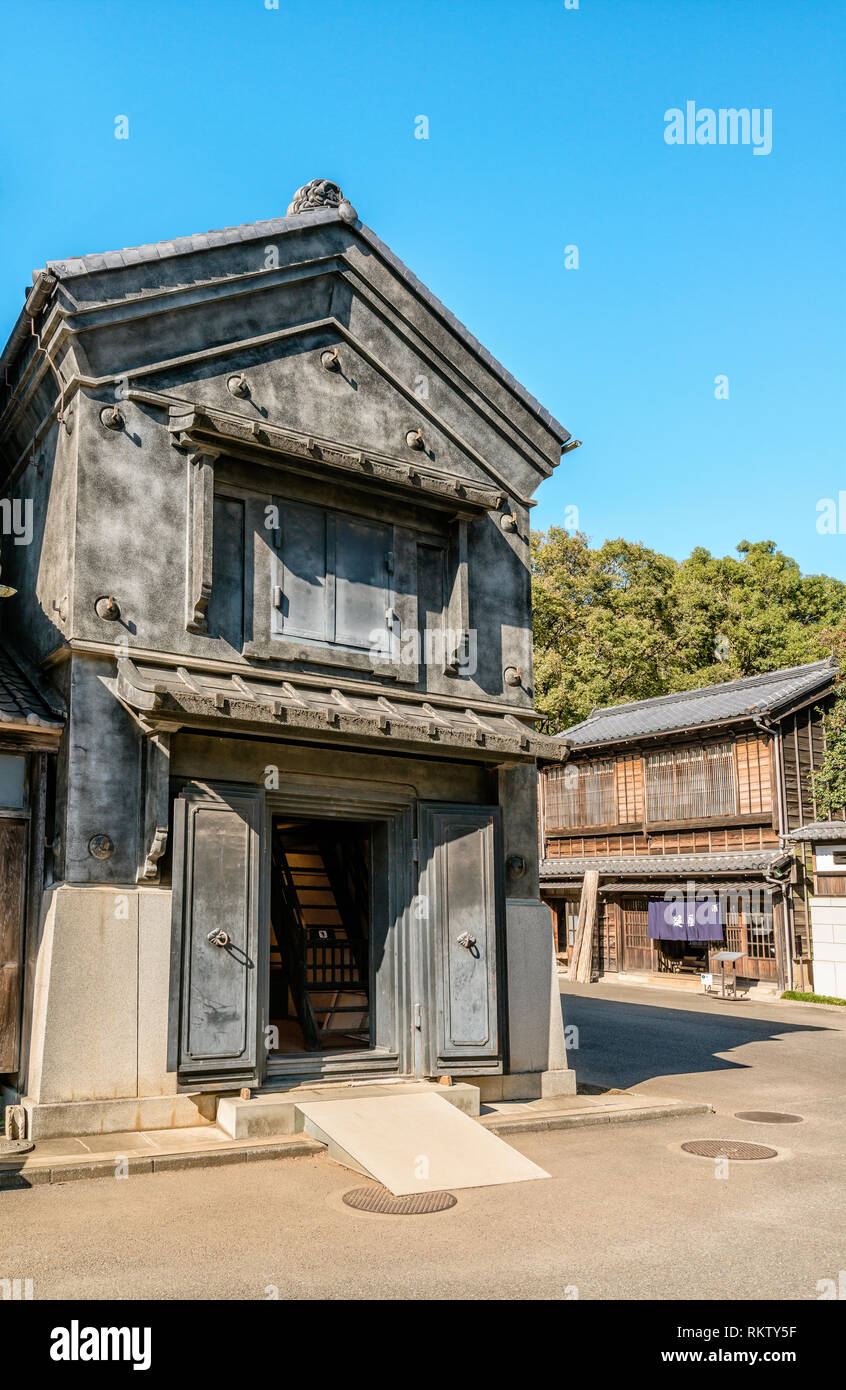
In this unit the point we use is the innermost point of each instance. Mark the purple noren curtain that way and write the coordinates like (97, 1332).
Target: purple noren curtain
(681, 919)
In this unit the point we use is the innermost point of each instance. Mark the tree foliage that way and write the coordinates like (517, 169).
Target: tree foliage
(830, 780)
(622, 622)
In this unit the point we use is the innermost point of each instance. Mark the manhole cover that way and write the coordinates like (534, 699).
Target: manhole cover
(727, 1148)
(769, 1117)
(379, 1199)
(10, 1147)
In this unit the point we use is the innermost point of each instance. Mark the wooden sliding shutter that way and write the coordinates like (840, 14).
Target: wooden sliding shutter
(12, 880)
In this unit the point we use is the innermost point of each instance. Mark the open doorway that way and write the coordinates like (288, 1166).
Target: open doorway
(684, 957)
(320, 935)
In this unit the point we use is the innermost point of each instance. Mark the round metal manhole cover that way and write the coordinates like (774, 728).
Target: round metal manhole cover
(10, 1148)
(728, 1148)
(769, 1117)
(380, 1200)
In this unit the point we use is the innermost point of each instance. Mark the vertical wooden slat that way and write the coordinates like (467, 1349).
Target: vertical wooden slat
(801, 820)
(12, 880)
(687, 783)
(812, 768)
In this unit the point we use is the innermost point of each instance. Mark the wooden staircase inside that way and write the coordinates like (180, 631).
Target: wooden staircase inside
(319, 962)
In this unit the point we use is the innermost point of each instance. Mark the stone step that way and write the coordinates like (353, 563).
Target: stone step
(270, 1112)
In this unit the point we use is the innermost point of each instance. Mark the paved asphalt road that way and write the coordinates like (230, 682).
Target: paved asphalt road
(626, 1214)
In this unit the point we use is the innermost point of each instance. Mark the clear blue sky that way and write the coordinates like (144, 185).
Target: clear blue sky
(546, 129)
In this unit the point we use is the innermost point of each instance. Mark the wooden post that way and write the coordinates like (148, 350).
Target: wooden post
(580, 962)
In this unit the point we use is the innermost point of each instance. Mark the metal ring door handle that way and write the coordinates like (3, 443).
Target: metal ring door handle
(218, 937)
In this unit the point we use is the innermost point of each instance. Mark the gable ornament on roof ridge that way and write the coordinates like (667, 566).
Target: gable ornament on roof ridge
(321, 193)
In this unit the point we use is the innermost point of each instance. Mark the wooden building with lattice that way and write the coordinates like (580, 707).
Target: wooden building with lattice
(670, 828)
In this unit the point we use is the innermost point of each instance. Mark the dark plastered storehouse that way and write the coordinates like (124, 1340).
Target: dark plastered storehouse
(279, 580)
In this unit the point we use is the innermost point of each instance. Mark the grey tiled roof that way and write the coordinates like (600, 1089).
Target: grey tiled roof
(642, 865)
(692, 709)
(820, 830)
(657, 885)
(259, 699)
(95, 261)
(22, 701)
(279, 226)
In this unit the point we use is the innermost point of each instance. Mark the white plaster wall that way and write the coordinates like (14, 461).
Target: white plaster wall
(101, 996)
(828, 933)
(536, 1027)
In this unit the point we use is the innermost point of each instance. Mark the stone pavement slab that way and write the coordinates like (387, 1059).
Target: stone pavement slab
(576, 1112)
(98, 1156)
(72, 1158)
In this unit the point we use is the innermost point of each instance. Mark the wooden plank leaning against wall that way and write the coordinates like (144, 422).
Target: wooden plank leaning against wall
(581, 960)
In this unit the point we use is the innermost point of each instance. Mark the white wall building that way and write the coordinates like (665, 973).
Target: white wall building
(827, 843)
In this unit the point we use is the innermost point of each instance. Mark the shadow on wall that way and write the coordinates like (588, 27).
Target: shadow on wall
(622, 1044)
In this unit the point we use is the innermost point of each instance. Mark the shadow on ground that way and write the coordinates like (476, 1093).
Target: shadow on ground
(621, 1044)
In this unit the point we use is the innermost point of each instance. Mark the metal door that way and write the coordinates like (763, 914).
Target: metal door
(461, 884)
(217, 888)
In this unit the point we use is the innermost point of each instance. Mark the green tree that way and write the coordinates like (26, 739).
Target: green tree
(753, 613)
(830, 780)
(623, 622)
(603, 623)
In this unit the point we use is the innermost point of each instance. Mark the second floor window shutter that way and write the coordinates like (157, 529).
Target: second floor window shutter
(300, 588)
(690, 783)
(363, 558)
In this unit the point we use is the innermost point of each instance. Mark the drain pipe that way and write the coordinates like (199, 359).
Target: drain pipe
(787, 898)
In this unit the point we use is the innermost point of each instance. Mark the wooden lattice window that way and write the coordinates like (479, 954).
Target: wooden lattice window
(751, 933)
(690, 783)
(571, 911)
(734, 930)
(635, 922)
(581, 794)
(760, 936)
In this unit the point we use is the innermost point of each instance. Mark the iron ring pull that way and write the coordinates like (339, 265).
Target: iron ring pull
(466, 940)
(218, 937)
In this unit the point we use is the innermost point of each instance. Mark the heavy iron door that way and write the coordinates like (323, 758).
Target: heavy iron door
(462, 893)
(217, 890)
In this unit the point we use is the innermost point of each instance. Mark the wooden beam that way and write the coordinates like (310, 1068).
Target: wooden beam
(580, 962)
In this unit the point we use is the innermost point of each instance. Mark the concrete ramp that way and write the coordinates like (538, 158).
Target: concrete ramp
(416, 1143)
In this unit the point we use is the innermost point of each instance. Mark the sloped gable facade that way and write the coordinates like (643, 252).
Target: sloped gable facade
(280, 573)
